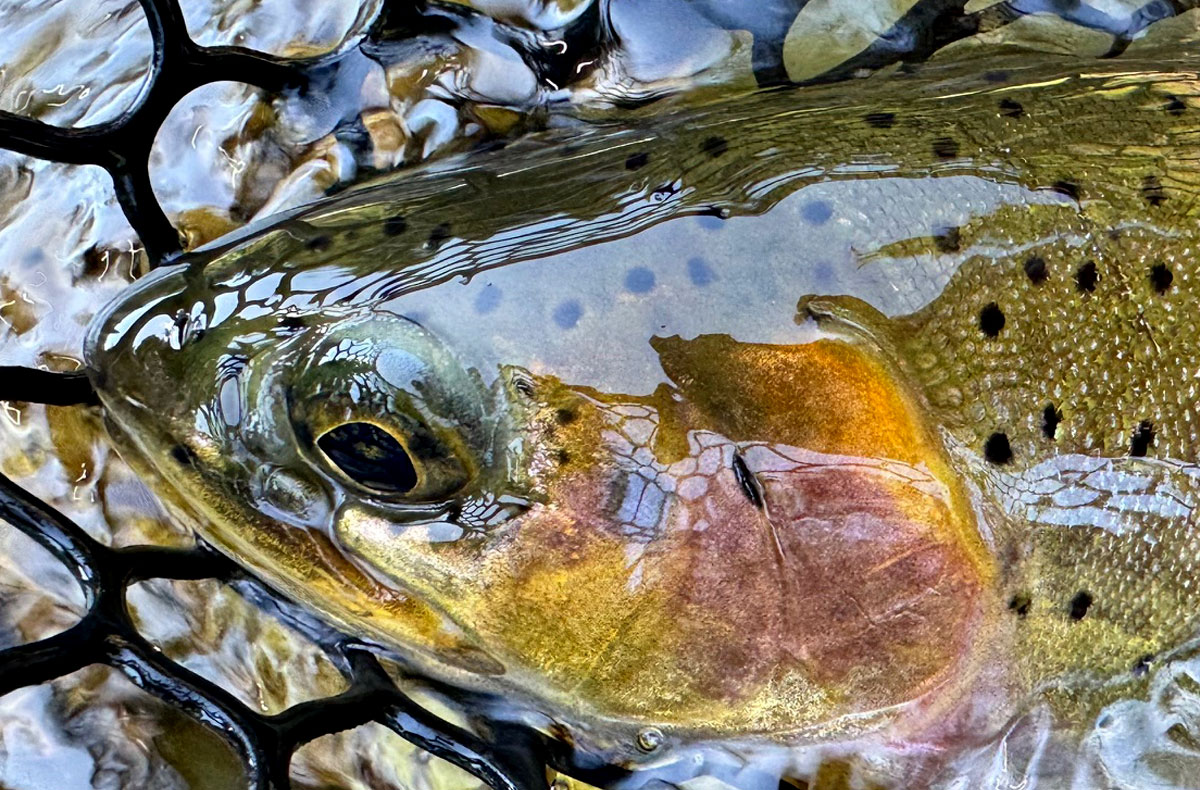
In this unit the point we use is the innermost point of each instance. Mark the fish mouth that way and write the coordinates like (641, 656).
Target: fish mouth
(109, 326)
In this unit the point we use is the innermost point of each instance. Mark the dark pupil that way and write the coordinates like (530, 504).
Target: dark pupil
(370, 456)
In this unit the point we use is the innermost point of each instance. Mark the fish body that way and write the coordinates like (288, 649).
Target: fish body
(792, 484)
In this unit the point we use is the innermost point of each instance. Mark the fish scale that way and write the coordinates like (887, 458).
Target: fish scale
(1052, 337)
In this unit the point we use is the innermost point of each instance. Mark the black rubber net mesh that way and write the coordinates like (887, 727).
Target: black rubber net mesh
(504, 755)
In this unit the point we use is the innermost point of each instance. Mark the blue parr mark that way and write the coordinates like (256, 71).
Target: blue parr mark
(487, 300)
(699, 272)
(816, 212)
(639, 280)
(567, 314)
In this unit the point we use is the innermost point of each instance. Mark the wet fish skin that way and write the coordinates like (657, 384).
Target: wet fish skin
(1077, 617)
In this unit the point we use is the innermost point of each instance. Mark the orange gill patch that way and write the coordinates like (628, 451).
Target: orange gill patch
(777, 532)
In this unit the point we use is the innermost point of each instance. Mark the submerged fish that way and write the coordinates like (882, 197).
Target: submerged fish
(932, 500)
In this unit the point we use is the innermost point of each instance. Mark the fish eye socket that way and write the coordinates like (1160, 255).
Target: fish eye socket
(414, 464)
(370, 456)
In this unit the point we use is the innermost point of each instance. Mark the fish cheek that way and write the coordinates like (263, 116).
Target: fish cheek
(851, 589)
(563, 588)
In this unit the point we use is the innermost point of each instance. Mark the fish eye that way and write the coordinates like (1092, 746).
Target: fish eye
(413, 464)
(370, 456)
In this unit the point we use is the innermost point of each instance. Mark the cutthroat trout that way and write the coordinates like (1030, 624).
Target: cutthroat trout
(856, 422)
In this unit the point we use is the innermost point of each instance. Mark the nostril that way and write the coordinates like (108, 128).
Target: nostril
(1161, 278)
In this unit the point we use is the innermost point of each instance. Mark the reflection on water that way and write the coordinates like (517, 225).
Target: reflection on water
(39, 598)
(372, 757)
(266, 665)
(72, 63)
(95, 729)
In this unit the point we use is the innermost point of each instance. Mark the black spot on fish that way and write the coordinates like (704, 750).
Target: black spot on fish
(637, 161)
(1143, 438)
(1153, 192)
(1068, 188)
(945, 148)
(562, 456)
(566, 416)
(1175, 106)
(183, 455)
(1010, 108)
(997, 450)
(947, 239)
(995, 76)
(395, 225)
(1142, 665)
(816, 212)
(747, 481)
(1020, 603)
(437, 236)
(291, 321)
(1161, 278)
(1051, 417)
(991, 319)
(881, 120)
(1080, 605)
(714, 146)
(319, 243)
(1086, 277)
(1035, 270)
